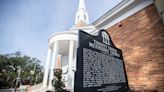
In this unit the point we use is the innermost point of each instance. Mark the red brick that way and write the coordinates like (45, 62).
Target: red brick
(141, 39)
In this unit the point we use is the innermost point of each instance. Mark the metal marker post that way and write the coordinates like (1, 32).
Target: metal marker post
(18, 77)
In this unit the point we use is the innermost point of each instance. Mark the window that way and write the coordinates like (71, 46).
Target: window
(84, 16)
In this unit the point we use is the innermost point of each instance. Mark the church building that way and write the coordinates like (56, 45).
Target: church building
(135, 26)
(62, 50)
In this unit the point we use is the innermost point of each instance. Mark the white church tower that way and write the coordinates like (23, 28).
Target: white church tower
(82, 19)
(62, 50)
(82, 14)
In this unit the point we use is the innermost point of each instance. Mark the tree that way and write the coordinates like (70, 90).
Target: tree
(57, 81)
(9, 69)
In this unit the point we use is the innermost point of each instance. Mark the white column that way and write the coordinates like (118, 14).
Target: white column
(54, 57)
(71, 48)
(45, 78)
(74, 65)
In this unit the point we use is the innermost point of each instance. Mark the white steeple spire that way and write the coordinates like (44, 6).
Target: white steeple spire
(82, 4)
(81, 14)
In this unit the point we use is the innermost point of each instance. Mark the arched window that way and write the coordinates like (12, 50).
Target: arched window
(78, 17)
(84, 16)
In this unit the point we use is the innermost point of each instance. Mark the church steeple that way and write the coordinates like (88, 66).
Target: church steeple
(81, 14)
(81, 4)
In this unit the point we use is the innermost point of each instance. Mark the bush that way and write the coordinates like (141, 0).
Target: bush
(57, 81)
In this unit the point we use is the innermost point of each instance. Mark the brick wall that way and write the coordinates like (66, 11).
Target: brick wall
(141, 39)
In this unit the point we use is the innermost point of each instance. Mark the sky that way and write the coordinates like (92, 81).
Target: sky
(25, 25)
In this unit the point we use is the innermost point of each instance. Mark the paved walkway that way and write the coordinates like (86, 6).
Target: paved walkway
(36, 88)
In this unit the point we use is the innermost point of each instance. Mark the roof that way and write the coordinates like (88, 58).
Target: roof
(80, 24)
(123, 10)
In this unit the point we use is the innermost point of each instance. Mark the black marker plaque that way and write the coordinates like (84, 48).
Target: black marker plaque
(100, 66)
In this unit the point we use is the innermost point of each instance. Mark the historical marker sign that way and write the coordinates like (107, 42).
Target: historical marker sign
(100, 66)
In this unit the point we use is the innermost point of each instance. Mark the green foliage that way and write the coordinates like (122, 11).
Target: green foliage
(9, 69)
(57, 82)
